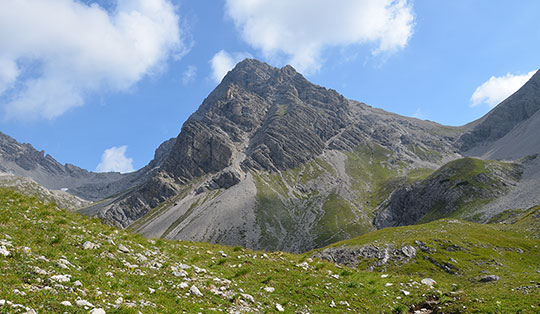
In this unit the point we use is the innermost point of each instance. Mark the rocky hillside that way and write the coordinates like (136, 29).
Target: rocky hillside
(49, 265)
(25, 161)
(457, 189)
(273, 161)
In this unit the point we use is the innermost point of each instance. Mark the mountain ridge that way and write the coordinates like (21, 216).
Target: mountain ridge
(22, 159)
(262, 121)
(272, 161)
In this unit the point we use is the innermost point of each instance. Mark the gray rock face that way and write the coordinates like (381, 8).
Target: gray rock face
(377, 255)
(25, 161)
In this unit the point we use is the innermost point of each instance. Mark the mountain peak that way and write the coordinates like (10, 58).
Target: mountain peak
(254, 72)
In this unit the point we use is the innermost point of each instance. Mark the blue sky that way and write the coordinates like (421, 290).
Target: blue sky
(105, 82)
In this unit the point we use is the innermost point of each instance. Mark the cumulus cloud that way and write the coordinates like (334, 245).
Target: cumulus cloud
(8, 74)
(300, 30)
(189, 74)
(114, 160)
(55, 52)
(222, 62)
(497, 89)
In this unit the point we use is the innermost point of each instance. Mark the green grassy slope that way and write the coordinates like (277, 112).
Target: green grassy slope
(126, 273)
(457, 254)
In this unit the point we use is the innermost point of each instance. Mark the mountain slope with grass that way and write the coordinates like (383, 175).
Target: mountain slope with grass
(54, 261)
(458, 189)
(273, 161)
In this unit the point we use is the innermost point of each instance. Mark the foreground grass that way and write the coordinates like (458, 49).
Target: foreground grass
(126, 273)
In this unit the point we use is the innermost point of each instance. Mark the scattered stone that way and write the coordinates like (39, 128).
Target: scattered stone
(180, 273)
(332, 304)
(4, 251)
(195, 291)
(184, 266)
(82, 303)
(304, 265)
(97, 311)
(405, 292)
(489, 278)
(428, 282)
(30, 311)
(279, 308)
(77, 284)
(64, 263)
(447, 267)
(345, 303)
(248, 297)
(384, 275)
(424, 247)
(109, 274)
(66, 303)
(61, 278)
(269, 289)
(141, 258)
(199, 270)
(122, 248)
(19, 292)
(40, 271)
(89, 245)
(409, 251)
(183, 285)
(388, 284)
(2, 302)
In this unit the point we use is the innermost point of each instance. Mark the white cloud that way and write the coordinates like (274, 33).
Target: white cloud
(222, 62)
(300, 30)
(55, 52)
(189, 74)
(8, 74)
(114, 160)
(497, 89)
